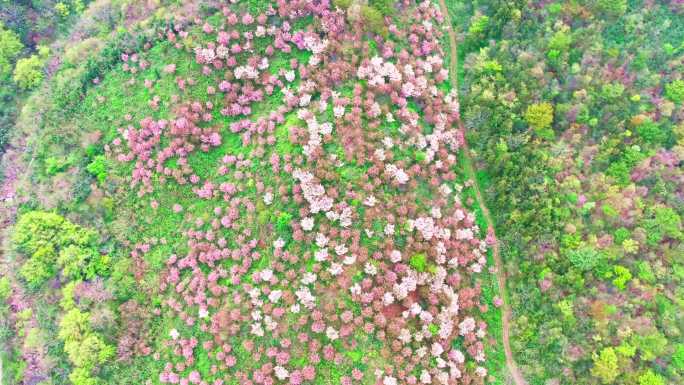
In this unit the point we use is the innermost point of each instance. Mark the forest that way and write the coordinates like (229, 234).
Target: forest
(381, 192)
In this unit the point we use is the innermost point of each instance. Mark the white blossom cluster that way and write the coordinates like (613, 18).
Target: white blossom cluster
(378, 72)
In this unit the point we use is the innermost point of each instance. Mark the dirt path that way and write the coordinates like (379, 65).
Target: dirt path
(491, 234)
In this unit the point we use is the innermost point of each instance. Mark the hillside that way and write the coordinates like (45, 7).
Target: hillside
(342, 192)
(258, 192)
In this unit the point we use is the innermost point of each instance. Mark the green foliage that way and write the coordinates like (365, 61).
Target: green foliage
(645, 272)
(77, 235)
(626, 350)
(81, 376)
(418, 262)
(29, 72)
(81, 263)
(612, 7)
(651, 132)
(10, 47)
(675, 91)
(74, 325)
(88, 352)
(121, 279)
(85, 349)
(620, 235)
(540, 116)
(566, 308)
(623, 275)
(602, 142)
(39, 268)
(67, 302)
(609, 211)
(54, 165)
(586, 258)
(342, 4)
(98, 168)
(651, 378)
(476, 30)
(62, 9)
(374, 20)
(621, 168)
(491, 66)
(650, 345)
(678, 357)
(283, 222)
(36, 229)
(664, 222)
(386, 7)
(612, 91)
(560, 41)
(50, 241)
(571, 241)
(5, 288)
(606, 365)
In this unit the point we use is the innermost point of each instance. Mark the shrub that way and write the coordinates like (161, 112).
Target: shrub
(478, 26)
(675, 91)
(585, 259)
(645, 272)
(540, 116)
(560, 41)
(621, 234)
(620, 169)
(605, 365)
(651, 378)
(98, 168)
(54, 165)
(650, 345)
(75, 262)
(86, 350)
(418, 262)
(29, 72)
(386, 7)
(81, 376)
(67, 87)
(342, 4)
(50, 241)
(62, 9)
(121, 281)
(5, 288)
(373, 20)
(612, 90)
(626, 350)
(665, 222)
(39, 268)
(678, 357)
(623, 275)
(74, 325)
(283, 222)
(651, 132)
(612, 7)
(36, 229)
(10, 47)
(491, 67)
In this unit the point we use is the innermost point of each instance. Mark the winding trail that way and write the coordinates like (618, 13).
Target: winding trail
(515, 373)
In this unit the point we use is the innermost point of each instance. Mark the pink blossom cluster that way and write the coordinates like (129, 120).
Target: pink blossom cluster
(339, 274)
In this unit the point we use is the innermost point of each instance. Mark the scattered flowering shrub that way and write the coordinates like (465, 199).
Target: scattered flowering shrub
(315, 244)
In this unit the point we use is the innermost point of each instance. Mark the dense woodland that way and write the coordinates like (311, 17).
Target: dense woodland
(256, 192)
(575, 109)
